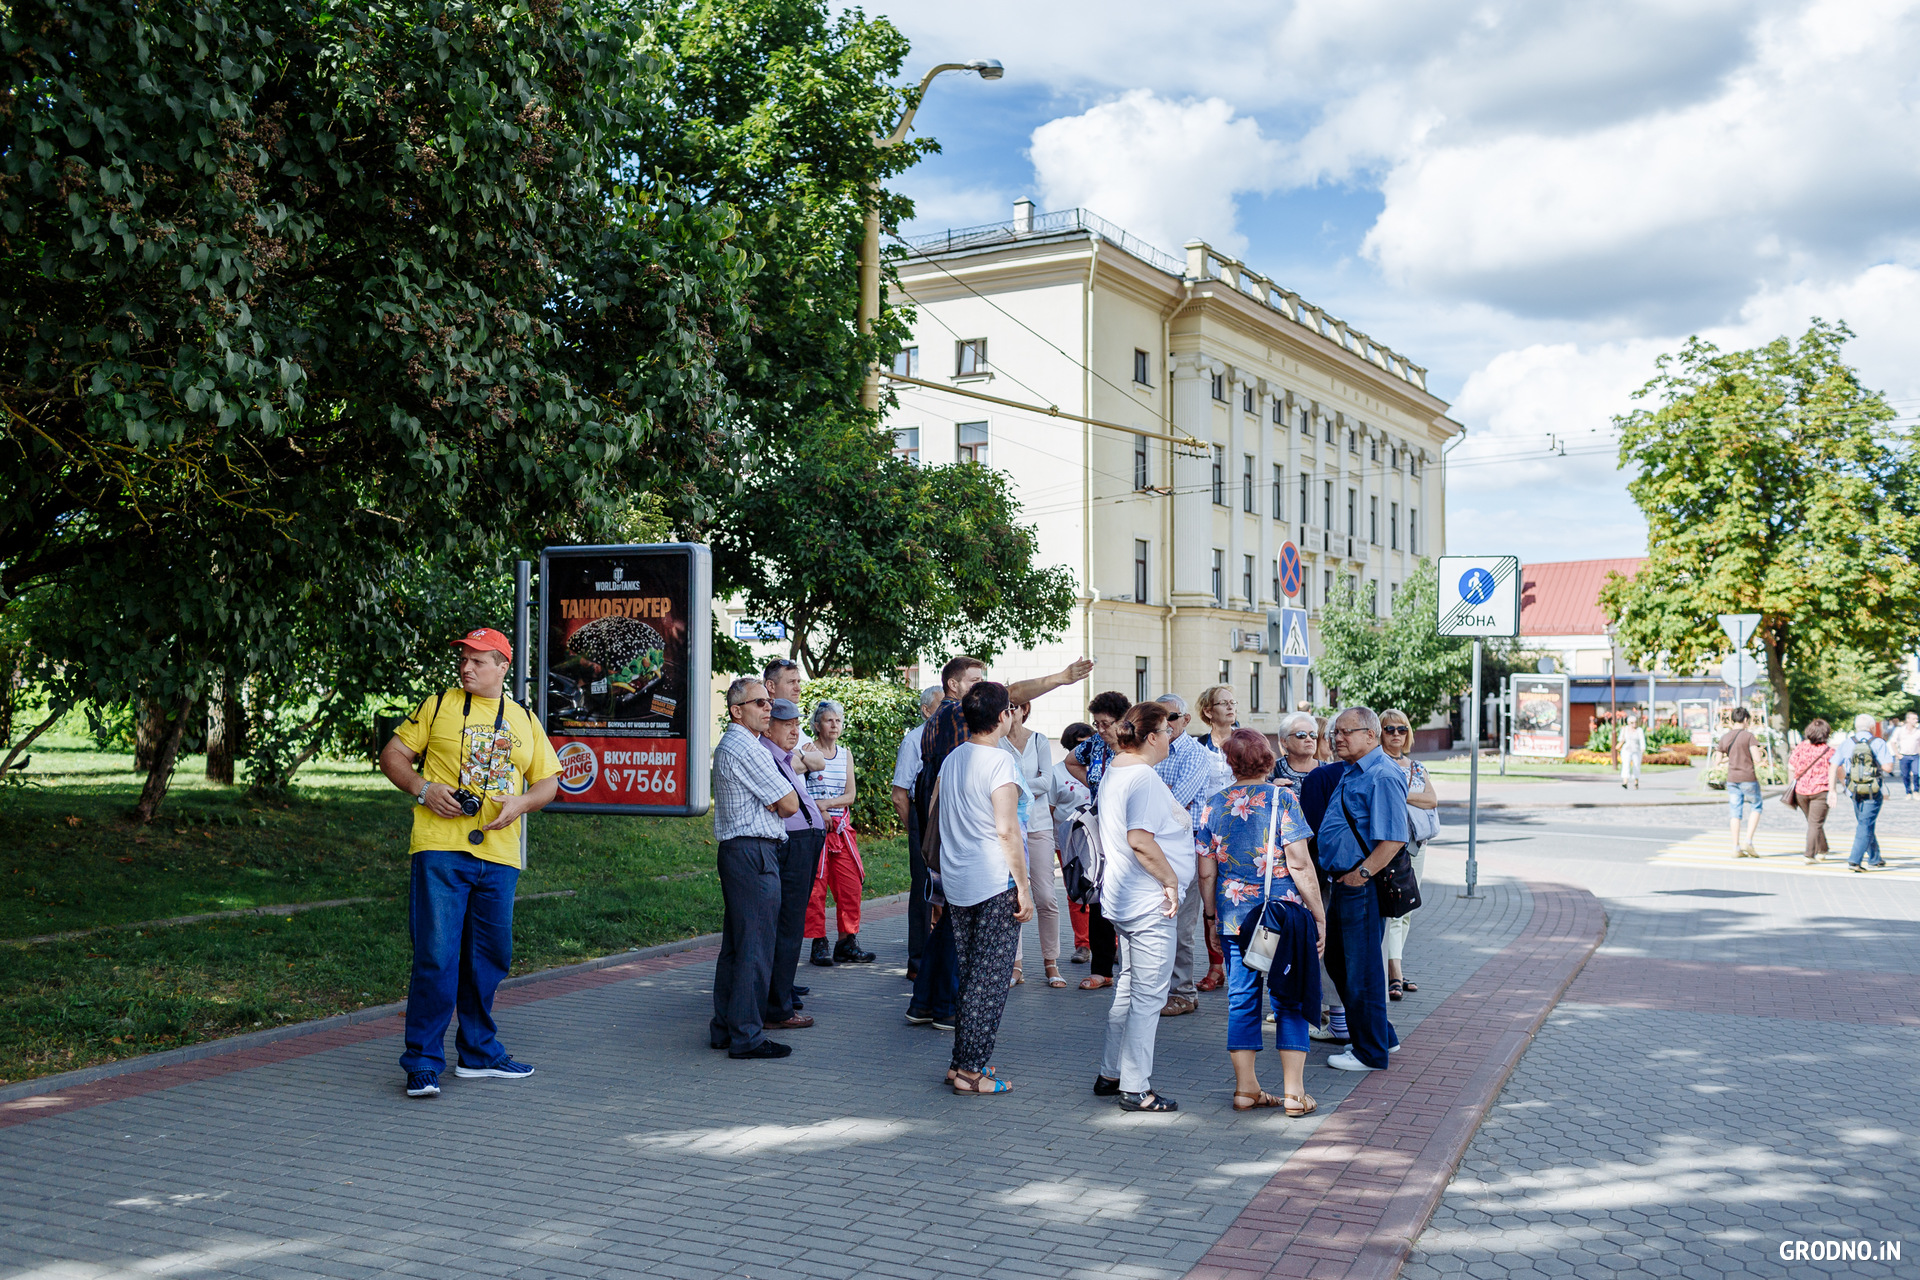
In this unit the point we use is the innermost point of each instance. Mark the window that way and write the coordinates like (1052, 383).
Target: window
(1373, 448)
(1393, 525)
(1353, 587)
(1413, 463)
(1329, 432)
(1253, 688)
(1413, 530)
(1276, 582)
(1220, 387)
(1219, 578)
(1142, 368)
(1393, 457)
(1326, 504)
(1246, 579)
(1140, 570)
(1220, 474)
(969, 357)
(1279, 486)
(973, 442)
(1246, 483)
(1246, 400)
(1305, 510)
(1279, 412)
(1373, 596)
(1393, 594)
(1226, 672)
(1306, 422)
(1326, 588)
(1142, 463)
(1373, 521)
(906, 443)
(1309, 686)
(906, 362)
(1352, 502)
(1140, 682)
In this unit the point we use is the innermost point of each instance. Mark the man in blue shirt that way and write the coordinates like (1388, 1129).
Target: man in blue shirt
(1862, 786)
(1364, 826)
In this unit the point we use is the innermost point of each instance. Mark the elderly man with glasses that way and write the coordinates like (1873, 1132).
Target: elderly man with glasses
(751, 802)
(1364, 826)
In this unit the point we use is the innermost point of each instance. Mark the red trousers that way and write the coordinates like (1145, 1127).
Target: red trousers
(842, 871)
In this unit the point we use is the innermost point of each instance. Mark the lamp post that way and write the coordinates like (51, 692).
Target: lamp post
(989, 69)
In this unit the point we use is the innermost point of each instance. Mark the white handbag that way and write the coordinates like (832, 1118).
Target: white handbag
(1266, 942)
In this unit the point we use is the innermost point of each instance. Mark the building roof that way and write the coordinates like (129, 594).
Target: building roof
(1562, 597)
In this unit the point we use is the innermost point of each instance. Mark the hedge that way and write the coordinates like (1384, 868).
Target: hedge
(878, 713)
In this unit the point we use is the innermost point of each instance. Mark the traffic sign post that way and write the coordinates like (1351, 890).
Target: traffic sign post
(1292, 573)
(1479, 597)
(1740, 670)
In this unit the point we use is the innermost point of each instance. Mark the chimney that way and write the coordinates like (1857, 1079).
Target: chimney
(1022, 216)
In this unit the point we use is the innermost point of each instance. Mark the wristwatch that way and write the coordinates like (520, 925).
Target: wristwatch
(422, 797)
(1364, 873)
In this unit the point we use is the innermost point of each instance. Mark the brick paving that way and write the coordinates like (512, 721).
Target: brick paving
(637, 1151)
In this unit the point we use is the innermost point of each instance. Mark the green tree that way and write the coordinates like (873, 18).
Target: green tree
(871, 560)
(1841, 683)
(1774, 483)
(1401, 661)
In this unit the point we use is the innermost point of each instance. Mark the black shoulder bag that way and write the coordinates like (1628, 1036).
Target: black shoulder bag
(1396, 886)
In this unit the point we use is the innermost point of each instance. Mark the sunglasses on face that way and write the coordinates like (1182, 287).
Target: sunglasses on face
(1305, 737)
(1395, 728)
(752, 702)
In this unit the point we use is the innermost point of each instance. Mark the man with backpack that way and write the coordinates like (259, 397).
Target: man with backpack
(1859, 761)
(483, 763)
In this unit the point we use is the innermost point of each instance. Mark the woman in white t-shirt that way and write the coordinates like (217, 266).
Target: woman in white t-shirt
(1036, 769)
(1146, 839)
(983, 877)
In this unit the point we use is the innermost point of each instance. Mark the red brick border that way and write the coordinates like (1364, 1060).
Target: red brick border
(1353, 1198)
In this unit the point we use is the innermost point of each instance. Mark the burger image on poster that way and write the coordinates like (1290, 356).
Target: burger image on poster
(633, 659)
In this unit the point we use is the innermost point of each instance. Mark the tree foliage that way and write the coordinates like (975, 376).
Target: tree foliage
(1402, 661)
(878, 714)
(1772, 483)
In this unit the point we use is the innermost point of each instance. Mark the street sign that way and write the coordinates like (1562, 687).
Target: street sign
(1740, 670)
(1291, 571)
(1479, 596)
(1739, 627)
(1293, 638)
(749, 629)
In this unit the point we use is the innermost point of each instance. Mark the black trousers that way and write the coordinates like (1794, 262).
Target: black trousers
(1103, 941)
(917, 926)
(798, 863)
(750, 886)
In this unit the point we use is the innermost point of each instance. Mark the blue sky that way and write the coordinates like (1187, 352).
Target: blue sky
(1531, 199)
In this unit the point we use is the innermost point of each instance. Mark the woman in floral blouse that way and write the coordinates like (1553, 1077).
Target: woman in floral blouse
(1233, 882)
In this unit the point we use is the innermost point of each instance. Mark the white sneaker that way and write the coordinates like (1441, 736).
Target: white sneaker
(1347, 1062)
(1398, 1047)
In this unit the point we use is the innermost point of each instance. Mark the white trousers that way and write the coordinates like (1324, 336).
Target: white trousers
(1139, 993)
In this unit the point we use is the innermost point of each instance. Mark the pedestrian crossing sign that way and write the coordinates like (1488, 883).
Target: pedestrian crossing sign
(1292, 642)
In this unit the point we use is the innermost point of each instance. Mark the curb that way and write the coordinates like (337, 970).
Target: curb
(256, 1040)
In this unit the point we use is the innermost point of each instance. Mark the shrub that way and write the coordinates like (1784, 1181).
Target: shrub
(878, 713)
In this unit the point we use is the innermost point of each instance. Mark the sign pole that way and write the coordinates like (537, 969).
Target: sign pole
(1502, 721)
(1473, 780)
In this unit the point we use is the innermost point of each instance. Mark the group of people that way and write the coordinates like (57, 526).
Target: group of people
(1819, 768)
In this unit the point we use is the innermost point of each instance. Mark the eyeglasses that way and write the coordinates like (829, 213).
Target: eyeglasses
(1396, 728)
(752, 702)
(1307, 737)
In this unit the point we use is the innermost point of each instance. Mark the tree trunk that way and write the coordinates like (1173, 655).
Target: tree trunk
(149, 728)
(220, 735)
(54, 714)
(1777, 678)
(160, 773)
(11, 659)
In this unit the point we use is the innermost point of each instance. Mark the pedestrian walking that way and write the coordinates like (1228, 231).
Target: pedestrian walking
(983, 877)
(1743, 756)
(1088, 765)
(1423, 823)
(1256, 853)
(1036, 777)
(752, 799)
(1859, 760)
(1633, 750)
(799, 859)
(1065, 795)
(464, 865)
(1299, 744)
(1808, 768)
(1364, 826)
(906, 769)
(1146, 838)
(834, 789)
(1906, 751)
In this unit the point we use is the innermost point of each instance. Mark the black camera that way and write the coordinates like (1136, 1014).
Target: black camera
(469, 803)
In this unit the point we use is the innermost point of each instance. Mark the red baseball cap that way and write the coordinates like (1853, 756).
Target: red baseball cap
(485, 638)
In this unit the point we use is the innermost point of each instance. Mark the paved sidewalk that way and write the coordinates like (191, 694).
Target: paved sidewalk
(637, 1151)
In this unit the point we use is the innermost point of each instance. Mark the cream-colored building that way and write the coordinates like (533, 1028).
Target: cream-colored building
(1311, 431)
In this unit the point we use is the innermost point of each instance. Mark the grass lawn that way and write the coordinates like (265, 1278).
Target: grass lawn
(1538, 768)
(76, 861)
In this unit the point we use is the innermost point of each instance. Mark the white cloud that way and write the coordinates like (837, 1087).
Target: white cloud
(1166, 171)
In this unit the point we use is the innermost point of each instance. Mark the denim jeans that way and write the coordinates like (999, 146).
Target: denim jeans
(1742, 797)
(1359, 970)
(1910, 773)
(1139, 993)
(460, 912)
(1245, 987)
(1866, 842)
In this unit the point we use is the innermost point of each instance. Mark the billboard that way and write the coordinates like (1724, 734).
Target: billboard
(1540, 716)
(626, 660)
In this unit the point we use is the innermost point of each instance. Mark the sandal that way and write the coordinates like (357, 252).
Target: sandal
(1053, 975)
(1260, 1099)
(1407, 984)
(1148, 1101)
(1093, 982)
(1299, 1104)
(990, 1071)
(982, 1085)
(1216, 978)
(1019, 978)
(1396, 989)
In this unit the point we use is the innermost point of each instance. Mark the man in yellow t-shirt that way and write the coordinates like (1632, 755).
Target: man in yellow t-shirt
(476, 748)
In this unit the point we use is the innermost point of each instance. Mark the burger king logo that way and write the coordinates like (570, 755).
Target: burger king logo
(579, 767)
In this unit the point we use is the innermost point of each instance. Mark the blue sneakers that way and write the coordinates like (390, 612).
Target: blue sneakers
(505, 1069)
(423, 1084)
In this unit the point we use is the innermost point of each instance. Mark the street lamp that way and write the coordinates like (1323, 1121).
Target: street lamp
(988, 69)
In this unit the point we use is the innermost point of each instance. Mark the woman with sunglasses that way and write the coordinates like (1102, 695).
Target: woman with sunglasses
(1299, 741)
(1396, 739)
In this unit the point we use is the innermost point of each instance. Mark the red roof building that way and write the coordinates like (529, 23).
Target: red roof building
(1562, 599)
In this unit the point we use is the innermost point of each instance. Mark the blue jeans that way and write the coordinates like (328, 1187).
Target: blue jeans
(1355, 933)
(460, 911)
(936, 984)
(1742, 796)
(1866, 842)
(1244, 988)
(1910, 773)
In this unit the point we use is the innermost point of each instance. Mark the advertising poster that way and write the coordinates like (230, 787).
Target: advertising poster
(625, 668)
(1696, 717)
(1540, 716)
